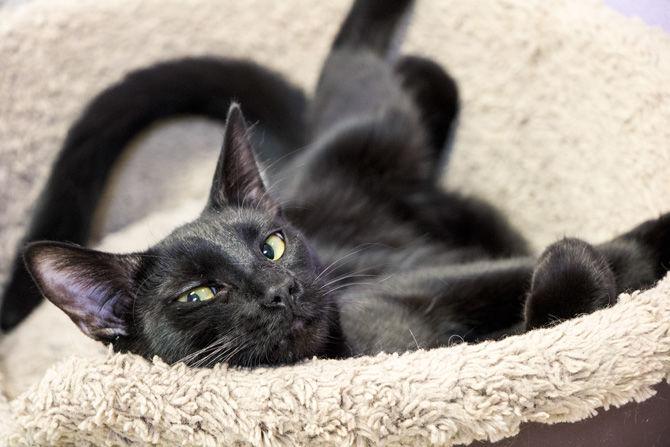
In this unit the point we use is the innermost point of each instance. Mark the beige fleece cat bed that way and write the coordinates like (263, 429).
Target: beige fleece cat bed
(564, 126)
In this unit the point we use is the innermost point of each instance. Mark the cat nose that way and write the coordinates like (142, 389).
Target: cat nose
(282, 295)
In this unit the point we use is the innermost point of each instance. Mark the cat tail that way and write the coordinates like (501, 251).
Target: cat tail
(192, 86)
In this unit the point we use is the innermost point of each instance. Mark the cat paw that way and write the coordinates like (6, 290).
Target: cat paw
(571, 278)
(436, 95)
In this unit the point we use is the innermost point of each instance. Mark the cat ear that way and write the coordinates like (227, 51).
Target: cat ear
(93, 288)
(237, 180)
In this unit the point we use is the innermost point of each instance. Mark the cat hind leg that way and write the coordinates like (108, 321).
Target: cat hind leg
(435, 93)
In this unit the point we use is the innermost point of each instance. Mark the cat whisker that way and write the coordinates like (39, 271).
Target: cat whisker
(343, 278)
(355, 251)
(350, 285)
(221, 350)
(188, 358)
(414, 338)
(226, 356)
(215, 344)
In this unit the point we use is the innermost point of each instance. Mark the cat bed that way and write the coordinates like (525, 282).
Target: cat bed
(564, 127)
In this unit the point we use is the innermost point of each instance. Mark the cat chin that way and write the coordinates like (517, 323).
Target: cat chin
(301, 339)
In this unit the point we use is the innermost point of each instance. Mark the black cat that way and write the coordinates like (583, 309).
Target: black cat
(356, 250)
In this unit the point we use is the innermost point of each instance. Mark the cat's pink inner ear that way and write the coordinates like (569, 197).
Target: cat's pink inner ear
(91, 287)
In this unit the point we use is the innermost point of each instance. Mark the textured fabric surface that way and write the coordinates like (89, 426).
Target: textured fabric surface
(441, 396)
(564, 126)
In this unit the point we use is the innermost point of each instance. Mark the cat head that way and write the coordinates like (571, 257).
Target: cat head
(238, 284)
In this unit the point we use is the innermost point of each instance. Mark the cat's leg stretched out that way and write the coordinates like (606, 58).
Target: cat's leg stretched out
(435, 306)
(430, 307)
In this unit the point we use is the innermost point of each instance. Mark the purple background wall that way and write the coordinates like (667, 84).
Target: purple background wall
(654, 12)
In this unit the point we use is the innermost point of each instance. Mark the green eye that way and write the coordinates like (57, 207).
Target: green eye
(274, 246)
(198, 294)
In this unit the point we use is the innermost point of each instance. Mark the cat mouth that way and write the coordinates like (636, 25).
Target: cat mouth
(295, 341)
(293, 332)
(298, 325)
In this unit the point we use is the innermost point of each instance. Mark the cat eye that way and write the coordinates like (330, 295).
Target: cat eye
(202, 293)
(274, 246)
